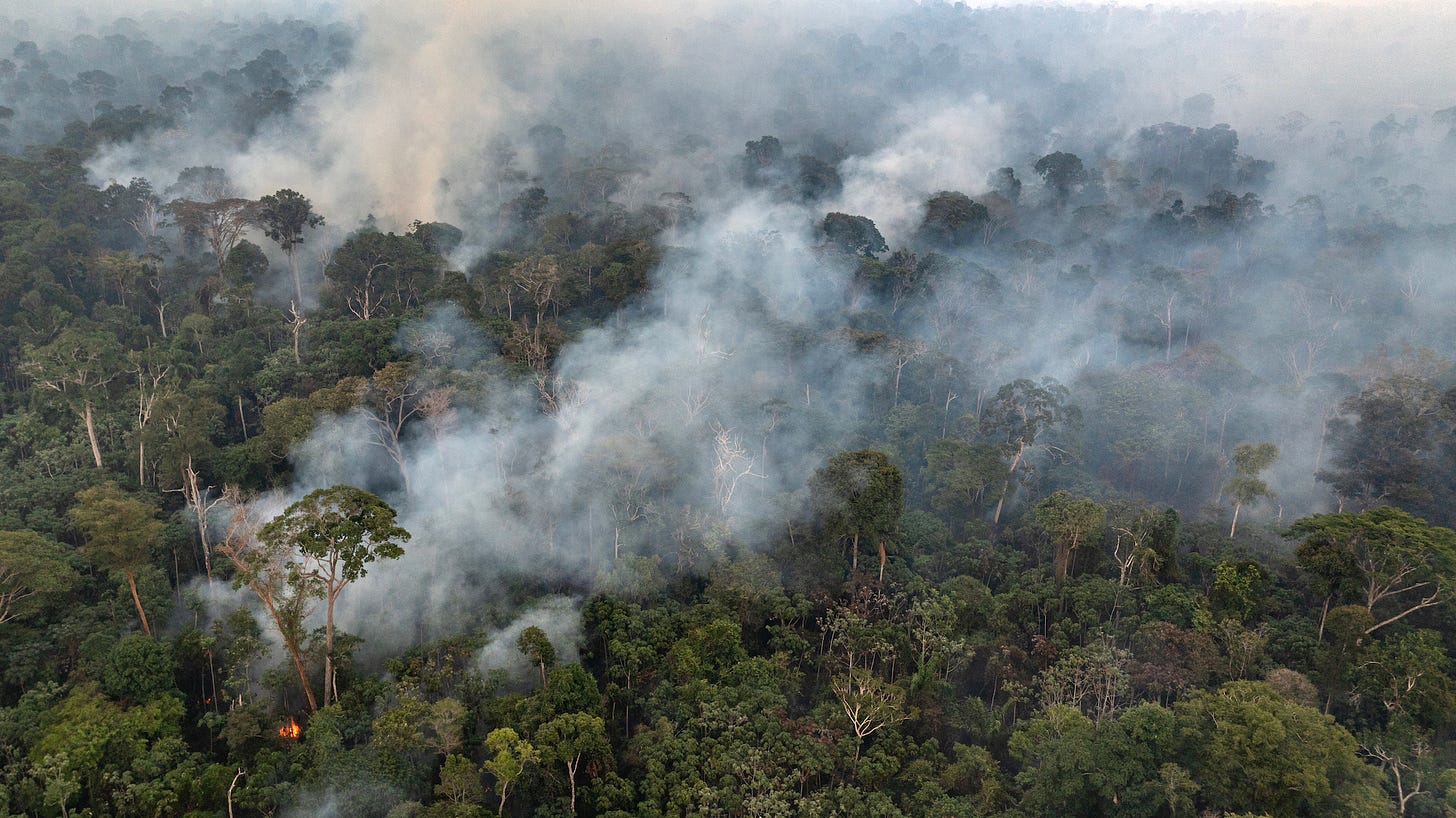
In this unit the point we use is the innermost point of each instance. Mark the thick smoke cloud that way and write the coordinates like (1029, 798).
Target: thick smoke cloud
(698, 394)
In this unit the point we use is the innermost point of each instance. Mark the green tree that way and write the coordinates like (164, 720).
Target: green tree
(1251, 749)
(266, 568)
(962, 477)
(858, 495)
(373, 274)
(1016, 416)
(1062, 172)
(571, 738)
(460, 785)
(120, 531)
(855, 235)
(1394, 561)
(510, 755)
(537, 647)
(1069, 522)
(1250, 459)
(33, 569)
(220, 222)
(337, 531)
(77, 365)
(284, 216)
(953, 219)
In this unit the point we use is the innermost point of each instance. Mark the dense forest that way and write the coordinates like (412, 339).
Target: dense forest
(897, 410)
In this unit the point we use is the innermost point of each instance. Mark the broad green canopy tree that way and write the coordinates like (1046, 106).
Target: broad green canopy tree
(855, 235)
(511, 755)
(337, 531)
(1250, 459)
(1253, 750)
(571, 738)
(1014, 418)
(120, 531)
(1392, 560)
(77, 365)
(284, 216)
(32, 568)
(1069, 522)
(859, 495)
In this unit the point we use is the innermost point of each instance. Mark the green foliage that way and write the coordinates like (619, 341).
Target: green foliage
(33, 571)
(1251, 749)
(855, 235)
(138, 669)
(858, 495)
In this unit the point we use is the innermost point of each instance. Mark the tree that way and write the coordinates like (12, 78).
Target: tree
(77, 365)
(1386, 447)
(32, 569)
(869, 703)
(537, 647)
(953, 219)
(1062, 172)
(337, 531)
(511, 755)
(120, 531)
(373, 273)
(1251, 749)
(859, 495)
(1249, 460)
(1014, 418)
(460, 784)
(856, 235)
(571, 738)
(390, 398)
(1069, 522)
(1395, 561)
(962, 477)
(284, 216)
(221, 223)
(266, 567)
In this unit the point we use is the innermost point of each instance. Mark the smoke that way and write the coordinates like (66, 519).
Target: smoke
(559, 617)
(685, 424)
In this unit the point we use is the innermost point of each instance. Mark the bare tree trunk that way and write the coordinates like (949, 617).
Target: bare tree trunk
(231, 787)
(1235, 526)
(297, 283)
(571, 776)
(91, 432)
(329, 651)
(135, 597)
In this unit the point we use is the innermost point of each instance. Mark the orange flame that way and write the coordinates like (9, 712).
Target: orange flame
(290, 730)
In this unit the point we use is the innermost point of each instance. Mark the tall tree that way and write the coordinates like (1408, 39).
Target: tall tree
(859, 495)
(284, 216)
(855, 235)
(32, 568)
(338, 531)
(1014, 419)
(120, 531)
(77, 365)
(221, 223)
(1399, 563)
(1062, 172)
(266, 567)
(1250, 459)
(373, 273)
(511, 755)
(1069, 522)
(571, 738)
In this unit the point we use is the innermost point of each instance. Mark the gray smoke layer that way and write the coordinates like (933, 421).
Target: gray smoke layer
(690, 420)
